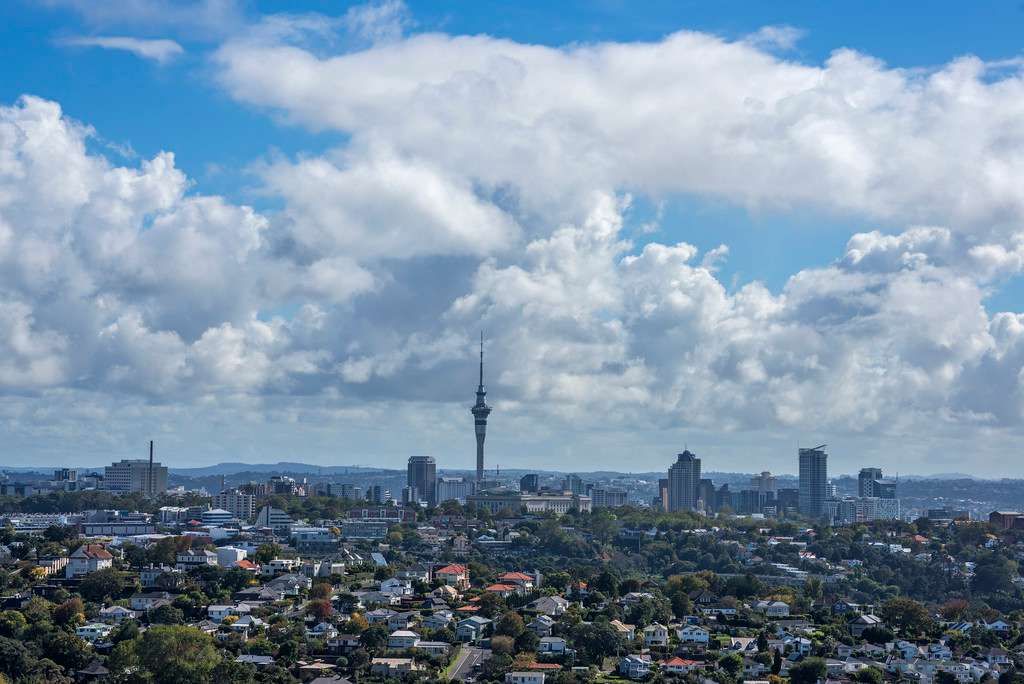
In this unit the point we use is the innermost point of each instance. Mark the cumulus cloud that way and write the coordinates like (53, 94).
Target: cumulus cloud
(158, 50)
(488, 183)
(690, 113)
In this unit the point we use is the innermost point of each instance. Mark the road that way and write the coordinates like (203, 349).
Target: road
(468, 657)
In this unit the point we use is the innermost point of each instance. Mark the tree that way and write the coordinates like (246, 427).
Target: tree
(943, 677)
(877, 635)
(320, 609)
(510, 624)
(12, 624)
(167, 615)
(503, 645)
(101, 584)
(67, 650)
(868, 675)
(527, 642)
(176, 654)
(266, 553)
(808, 671)
(321, 591)
(70, 612)
(375, 636)
(15, 659)
(732, 663)
(907, 614)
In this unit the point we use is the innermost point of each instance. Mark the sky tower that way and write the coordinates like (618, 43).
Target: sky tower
(480, 412)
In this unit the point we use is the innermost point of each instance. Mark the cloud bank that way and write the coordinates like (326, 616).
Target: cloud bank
(488, 183)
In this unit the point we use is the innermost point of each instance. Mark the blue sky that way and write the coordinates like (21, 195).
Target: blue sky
(856, 160)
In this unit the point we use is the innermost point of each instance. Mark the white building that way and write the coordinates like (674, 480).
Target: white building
(241, 505)
(227, 556)
(216, 517)
(133, 475)
(276, 519)
(88, 558)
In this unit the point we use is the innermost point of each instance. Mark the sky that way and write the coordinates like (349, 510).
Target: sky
(266, 231)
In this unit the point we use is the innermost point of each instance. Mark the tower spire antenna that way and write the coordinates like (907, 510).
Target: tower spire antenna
(481, 359)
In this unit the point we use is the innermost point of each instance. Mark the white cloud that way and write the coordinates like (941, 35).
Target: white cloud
(159, 50)
(487, 183)
(691, 113)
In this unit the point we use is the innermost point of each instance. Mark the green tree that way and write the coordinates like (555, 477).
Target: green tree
(868, 675)
(102, 584)
(70, 612)
(510, 624)
(808, 671)
(176, 654)
(12, 624)
(732, 663)
(906, 614)
(167, 614)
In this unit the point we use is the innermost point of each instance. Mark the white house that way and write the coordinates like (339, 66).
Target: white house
(692, 634)
(524, 678)
(117, 614)
(93, 632)
(217, 613)
(403, 638)
(655, 634)
(86, 559)
(551, 644)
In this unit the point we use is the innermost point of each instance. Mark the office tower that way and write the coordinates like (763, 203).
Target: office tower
(529, 483)
(410, 496)
(377, 494)
(813, 481)
(763, 483)
(683, 478)
(422, 474)
(572, 483)
(706, 495)
(239, 504)
(65, 475)
(866, 481)
(136, 475)
(831, 490)
(480, 412)
(787, 499)
(663, 493)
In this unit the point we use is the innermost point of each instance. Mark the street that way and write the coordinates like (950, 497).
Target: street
(467, 659)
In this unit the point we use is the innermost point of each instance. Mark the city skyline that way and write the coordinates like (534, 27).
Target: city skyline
(262, 236)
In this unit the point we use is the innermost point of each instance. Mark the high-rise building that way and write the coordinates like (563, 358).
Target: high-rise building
(871, 483)
(422, 474)
(529, 483)
(763, 483)
(239, 504)
(663, 493)
(573, 483)
(683, 478)
(866, 481)
(608, 497)
(453, 489)
(813, 481)
(136, 475)
(65, 475)
(706, 495)
(480, 412)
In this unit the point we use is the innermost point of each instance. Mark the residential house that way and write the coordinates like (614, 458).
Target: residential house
(541, 625)
(394, 667)
(472, 629)
(548, 605)
(680, 666)
(635, 666)
(627, 632)
(551, 645)
(524, 678)
(655, 635)
(194, 558)
(692, 634)
(775, 609)
(858, 624)
(93, 632)
(88, 558)
(149, 600)
(402, 639)
(454, 575)
(116, 614)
